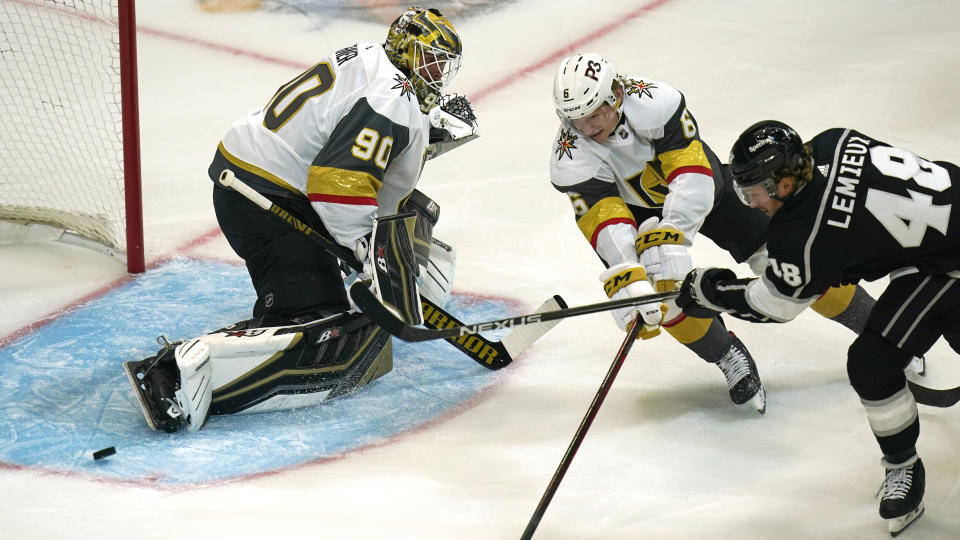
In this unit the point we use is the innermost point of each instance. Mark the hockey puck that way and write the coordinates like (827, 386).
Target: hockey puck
(108, 451)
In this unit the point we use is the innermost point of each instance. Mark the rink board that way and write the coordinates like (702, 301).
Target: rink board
(63, 393)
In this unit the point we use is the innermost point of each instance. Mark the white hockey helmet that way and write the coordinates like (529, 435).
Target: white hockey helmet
(583, 83)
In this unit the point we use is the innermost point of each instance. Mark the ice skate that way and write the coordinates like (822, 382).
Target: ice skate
(901, 494)
(742, 377)
(155, 381)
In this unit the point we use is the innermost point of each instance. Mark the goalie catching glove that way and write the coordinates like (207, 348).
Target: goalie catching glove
(452, 124)
(627, 280)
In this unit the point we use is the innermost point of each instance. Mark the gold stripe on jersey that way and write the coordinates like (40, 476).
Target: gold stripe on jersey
(684, 160)
(605, 212)
(253, 169)
(331, 183)
(835, 301)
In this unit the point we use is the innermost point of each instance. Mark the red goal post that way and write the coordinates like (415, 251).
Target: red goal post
(70, 154)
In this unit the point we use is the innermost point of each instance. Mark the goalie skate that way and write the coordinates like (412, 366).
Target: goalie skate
(155, 381)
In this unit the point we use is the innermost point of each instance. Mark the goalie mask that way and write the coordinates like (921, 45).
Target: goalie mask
(423, 44)
(764, 153)
(584, 82)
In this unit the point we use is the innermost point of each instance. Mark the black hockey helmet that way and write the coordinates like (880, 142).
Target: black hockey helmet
(765, 152)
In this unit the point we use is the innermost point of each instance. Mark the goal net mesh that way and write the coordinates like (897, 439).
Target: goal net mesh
(61, 154)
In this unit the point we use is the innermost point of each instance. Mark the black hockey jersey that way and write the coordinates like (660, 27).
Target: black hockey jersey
(870, 210)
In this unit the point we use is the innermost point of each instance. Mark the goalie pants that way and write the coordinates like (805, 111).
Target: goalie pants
(292, 275)
(908, 318)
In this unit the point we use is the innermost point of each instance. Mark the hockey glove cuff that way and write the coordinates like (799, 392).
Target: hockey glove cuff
(698, 294)
(629, 280)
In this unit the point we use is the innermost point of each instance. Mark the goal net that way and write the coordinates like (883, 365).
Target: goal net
(69, 156)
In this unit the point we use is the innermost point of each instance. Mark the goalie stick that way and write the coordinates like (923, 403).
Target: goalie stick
(488, 353)
(385, 319)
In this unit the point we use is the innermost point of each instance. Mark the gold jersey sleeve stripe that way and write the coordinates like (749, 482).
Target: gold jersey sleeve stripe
(602, 214)
(341, 185)
(684, 160)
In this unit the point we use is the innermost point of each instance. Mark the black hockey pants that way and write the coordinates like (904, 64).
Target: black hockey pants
(292, 275)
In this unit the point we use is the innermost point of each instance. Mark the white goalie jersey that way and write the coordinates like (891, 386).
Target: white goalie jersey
(347, 133)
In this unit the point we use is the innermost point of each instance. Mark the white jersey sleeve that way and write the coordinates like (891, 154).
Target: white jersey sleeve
(665, 120)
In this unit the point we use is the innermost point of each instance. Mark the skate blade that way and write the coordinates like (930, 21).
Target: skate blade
(898, 524)
(135, 383)
(759, 401)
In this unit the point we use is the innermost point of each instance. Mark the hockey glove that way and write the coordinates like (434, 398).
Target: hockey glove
(452, 123)
(698, 293)
(662, 253)
(627, 280)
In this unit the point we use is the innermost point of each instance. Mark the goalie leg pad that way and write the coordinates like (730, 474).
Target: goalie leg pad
(395, 268)
(435, 259)
(278, 368)
(436, 275)
(196, 391)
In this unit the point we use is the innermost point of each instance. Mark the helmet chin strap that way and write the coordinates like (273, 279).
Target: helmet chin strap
(620, 120)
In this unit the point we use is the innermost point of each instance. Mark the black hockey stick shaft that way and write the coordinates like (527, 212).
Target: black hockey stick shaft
(947, 397)
(488, 353)
(389, 322)
(582, 430)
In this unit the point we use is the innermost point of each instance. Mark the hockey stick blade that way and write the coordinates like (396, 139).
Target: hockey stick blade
(488, 353)
(947, 397)
(384, 318)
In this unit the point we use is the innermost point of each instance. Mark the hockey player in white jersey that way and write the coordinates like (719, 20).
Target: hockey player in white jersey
(643, 185)
(341, 146)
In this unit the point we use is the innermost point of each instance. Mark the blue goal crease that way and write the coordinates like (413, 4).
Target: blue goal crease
(63, 394)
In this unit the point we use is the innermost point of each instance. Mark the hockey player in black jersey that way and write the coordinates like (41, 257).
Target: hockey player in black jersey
(846, 207)
(644, 185)
(343, 146)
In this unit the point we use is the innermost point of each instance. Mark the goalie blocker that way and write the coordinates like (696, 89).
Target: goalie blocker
(391, 265)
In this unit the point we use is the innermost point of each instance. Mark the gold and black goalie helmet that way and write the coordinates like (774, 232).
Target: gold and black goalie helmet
(423, 44)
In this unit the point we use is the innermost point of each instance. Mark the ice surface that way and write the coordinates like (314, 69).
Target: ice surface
(668, 455)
